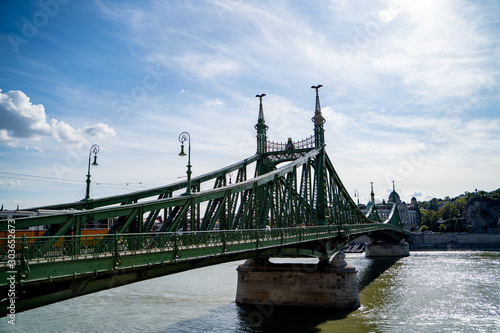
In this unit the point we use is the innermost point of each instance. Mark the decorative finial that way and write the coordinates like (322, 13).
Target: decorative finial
(260, 96)
(317, 87)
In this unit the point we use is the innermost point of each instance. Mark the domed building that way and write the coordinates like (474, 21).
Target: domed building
(394, 196)
(408, 213)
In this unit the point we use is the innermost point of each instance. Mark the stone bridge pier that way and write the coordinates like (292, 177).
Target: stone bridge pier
(387, 249)
(325, 284)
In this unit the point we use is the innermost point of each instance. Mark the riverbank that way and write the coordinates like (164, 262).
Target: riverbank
(453, 241)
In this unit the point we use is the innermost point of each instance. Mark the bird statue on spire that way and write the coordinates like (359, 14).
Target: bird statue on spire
(318, 117)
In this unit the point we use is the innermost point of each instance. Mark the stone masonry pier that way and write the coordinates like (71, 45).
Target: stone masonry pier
(401, 249)
(326, 284)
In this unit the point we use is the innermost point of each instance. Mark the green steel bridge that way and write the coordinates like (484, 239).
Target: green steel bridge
(294, 205)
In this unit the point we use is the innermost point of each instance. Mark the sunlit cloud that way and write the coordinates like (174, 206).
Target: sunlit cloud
(22, 120)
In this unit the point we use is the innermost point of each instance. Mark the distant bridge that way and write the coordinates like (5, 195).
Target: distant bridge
(294, 205)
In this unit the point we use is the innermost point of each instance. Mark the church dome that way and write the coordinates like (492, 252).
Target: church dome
(413, 202)
(394, 197)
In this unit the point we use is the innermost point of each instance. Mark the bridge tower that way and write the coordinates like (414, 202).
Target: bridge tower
(261, 128)
(380, 245)
(262, 167)
(320, 167)
(372, 212)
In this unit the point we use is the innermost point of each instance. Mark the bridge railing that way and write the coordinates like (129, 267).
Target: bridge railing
(181, 244)
(299, 144)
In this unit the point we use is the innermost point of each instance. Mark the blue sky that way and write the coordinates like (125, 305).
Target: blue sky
(411, 91)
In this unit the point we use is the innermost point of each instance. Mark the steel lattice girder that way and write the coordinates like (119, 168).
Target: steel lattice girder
(342, 208)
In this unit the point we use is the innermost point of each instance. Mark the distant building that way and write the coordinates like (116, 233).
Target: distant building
(407, 212)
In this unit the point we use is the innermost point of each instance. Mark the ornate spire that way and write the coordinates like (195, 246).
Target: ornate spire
(261, 128)
(372, 194)
(318, 120)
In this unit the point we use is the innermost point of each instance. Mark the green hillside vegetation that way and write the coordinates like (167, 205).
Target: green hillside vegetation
(461, 213)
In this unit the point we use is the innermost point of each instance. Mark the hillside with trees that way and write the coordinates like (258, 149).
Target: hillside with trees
(477, 212)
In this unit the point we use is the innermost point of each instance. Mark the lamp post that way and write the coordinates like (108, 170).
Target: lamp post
(94, 149)
(183, 137)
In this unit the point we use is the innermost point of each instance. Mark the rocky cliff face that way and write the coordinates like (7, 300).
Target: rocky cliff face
(482, 213)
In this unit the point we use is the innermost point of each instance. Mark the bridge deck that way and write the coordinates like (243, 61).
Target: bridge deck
(75, 255)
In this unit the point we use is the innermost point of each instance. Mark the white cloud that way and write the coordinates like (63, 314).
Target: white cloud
(7, 140)
(215, 102)
(428, 43)
(206, 66)
(420, 46)
(9, 183)
(22, 120)
(98, 131)
(65, 133)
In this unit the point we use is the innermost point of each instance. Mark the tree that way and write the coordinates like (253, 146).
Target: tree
(433, 204)
(455, 211)
(442, 227)
(425, 217)
(424, 228)
(429, 217)
(445, 212)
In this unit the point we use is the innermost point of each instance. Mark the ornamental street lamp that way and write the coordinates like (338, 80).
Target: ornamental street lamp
(184, 136)
(94, 149)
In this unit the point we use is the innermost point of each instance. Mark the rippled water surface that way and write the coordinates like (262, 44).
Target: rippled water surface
(426, 292)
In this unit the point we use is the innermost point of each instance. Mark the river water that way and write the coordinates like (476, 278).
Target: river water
(425, 292)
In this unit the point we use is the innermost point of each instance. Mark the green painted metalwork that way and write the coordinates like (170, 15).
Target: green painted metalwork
(94, 149)
(295, 205)
(76, 255)
(261, 128)
(319, 168)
